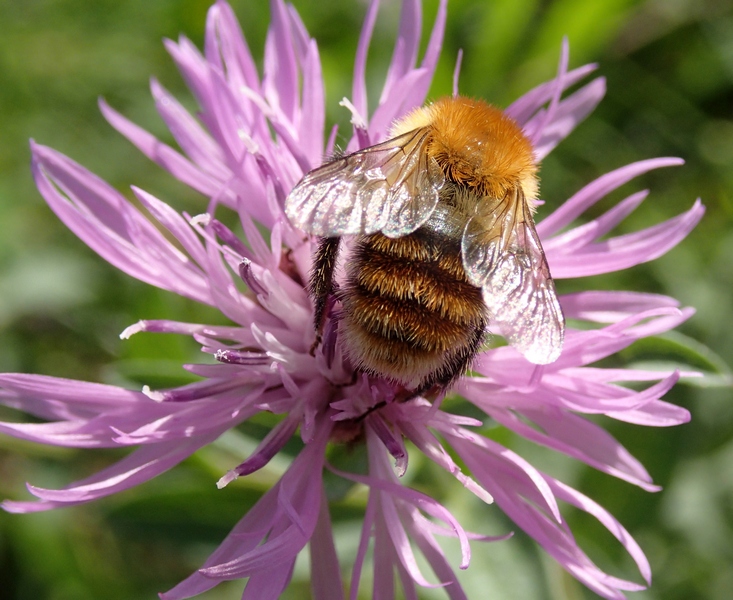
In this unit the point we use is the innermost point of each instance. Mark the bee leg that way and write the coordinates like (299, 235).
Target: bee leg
(321, 284)
(457, 365)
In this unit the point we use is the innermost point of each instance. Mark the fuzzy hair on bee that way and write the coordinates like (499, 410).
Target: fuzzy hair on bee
(444, 245)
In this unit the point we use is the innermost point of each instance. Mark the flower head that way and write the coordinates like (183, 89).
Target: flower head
(253, 140)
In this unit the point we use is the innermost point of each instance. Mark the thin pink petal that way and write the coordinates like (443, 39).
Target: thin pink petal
(583, 235)
(358, 92)
(625, 251)
(140, 466)
(580, 439)
(611, 306)
(162, 154)
(326, 581)
(606, 519)
(226, 47)
(570, 112)
(112, 227)
(193, 139)
(313, 117)
(577, 204)
(523, 109)
(280, 82)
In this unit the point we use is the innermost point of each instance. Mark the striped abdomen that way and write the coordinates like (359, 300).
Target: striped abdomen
(410, 314)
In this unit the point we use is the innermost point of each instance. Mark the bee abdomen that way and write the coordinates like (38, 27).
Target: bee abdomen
(406, 323)
(408, 306)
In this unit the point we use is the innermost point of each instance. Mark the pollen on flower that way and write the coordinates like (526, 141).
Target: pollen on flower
(251, 146)
(225, 480)
(202, 219)
(128, 332)
(153, 395)
(357, 120)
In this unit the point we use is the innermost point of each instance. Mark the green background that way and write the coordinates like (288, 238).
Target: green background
(669, 65)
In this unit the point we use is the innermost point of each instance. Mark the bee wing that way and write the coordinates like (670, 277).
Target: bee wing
(503, 255)
(392, 187)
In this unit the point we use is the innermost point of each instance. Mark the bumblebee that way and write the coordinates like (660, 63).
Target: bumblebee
(445, 246)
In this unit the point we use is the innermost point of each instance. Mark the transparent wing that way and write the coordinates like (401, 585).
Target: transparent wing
(503, 255)
(392, 187)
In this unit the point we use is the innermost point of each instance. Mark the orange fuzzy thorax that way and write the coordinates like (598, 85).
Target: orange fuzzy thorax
(476, 146)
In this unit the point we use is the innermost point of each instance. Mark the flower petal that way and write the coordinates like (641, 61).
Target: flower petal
(577, 204)
(113, 228)
(611, 306)
(140, 466)
(268, 536)
(624, 251)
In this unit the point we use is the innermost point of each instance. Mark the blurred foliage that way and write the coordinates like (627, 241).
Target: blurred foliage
(669, 67)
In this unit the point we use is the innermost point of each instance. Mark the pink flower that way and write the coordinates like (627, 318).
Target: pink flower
(261, 362)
